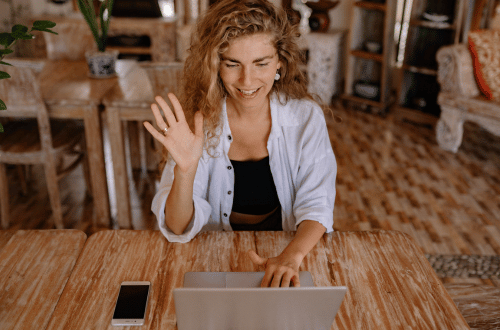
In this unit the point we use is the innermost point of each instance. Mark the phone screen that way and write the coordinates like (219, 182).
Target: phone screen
(132, 301)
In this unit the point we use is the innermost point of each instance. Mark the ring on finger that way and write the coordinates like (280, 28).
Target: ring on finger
(165, 130)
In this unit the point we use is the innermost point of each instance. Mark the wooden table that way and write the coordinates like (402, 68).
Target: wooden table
(69, 92)
(390, 283)
(34, 268)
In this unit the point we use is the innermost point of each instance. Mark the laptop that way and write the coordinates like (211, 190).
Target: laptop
(235, 300)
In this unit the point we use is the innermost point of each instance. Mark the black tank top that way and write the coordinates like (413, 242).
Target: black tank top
(254, 189)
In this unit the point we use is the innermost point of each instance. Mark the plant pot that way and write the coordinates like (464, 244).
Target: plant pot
(102, 64)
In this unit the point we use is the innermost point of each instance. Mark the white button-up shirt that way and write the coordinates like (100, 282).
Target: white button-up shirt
(302, 164)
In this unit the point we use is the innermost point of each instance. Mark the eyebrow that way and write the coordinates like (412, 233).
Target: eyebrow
(260, 59)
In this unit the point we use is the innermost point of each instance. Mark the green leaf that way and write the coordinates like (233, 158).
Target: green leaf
(45, 30)
(4, 75)
(6, 51)
(43, 24)
(5, 63)
(1, 128)
(87, 9)
(2, 105)
(6, 39)
(18, 28)
(20, 32)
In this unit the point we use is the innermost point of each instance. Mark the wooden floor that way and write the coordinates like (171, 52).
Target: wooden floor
(391, 176)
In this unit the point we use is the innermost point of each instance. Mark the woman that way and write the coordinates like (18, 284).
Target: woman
(259, 156)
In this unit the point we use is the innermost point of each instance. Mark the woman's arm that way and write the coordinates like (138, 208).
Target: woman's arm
(283, 269)
(186, 148)
(179, 206)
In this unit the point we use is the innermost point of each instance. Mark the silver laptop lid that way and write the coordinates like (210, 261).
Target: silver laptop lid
(249, 308)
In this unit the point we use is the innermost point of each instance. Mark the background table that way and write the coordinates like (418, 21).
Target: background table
(34, 268)
(390, 283)
(69, 92)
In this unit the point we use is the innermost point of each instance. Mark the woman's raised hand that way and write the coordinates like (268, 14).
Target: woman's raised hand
(182, 144)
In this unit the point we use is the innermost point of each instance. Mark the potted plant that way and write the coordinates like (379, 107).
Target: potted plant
(101, 63)
(8, 40)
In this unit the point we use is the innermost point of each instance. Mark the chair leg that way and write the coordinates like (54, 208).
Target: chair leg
(4, 196)
(85, 168)
(22, 179)
(54, 195)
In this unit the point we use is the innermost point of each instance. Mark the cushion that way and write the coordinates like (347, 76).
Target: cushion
(484, 46)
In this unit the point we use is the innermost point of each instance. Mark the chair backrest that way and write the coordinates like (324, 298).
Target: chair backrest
(21, 93)
(164, 77)
(73, 40)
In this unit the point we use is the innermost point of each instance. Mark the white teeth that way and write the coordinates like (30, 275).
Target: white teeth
(248, 92)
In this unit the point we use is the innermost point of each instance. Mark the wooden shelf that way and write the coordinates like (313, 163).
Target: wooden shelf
(371, 5)
(424, 36)
(371, 21)
(367, 55)
(415, 116)
(131, 50)
(432, 25)
(421, 70)
(358, 99)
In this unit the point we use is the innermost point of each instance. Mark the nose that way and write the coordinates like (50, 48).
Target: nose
(246, 76)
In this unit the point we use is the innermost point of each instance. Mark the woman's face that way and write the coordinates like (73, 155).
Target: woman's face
(248, 68)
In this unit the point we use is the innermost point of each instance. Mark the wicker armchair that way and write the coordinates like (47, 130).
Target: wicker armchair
(460, 98)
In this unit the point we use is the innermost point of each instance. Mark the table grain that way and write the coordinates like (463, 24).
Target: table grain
(34, 268)
(390, 283)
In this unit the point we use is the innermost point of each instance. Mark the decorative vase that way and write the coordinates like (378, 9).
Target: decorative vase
(319, 20)
(102, 64)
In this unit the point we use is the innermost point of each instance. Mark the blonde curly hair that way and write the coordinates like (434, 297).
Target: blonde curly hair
(202, 88)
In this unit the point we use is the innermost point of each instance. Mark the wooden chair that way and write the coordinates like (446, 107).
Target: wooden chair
(35, 141)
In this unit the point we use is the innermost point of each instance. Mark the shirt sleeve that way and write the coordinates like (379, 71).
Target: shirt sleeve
(202, 209)
(317, 171)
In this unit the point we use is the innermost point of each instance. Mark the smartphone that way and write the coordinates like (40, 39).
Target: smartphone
(130, 308)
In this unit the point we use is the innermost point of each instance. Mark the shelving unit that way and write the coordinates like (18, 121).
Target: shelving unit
(372, 22)
(151, 39)
(143, 38)
(426, 32)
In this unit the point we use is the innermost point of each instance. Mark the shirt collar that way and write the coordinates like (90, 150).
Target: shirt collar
(280, 116)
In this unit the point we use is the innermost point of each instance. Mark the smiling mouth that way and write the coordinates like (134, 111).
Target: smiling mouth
(248, 92)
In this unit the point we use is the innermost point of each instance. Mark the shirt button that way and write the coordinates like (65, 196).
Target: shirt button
(229, 167)
(229, 137)
(225, 214)
(229, 192)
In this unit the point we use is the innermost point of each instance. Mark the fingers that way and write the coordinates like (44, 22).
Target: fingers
(256, 259)
(296, 280)
(266, 281)
(157, 135)
(179, 113)
(159, 119)
(166, 110)
(198, 124)
(281, 277)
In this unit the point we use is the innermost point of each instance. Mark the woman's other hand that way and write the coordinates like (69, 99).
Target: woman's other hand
(182, 144)
(282, 270)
